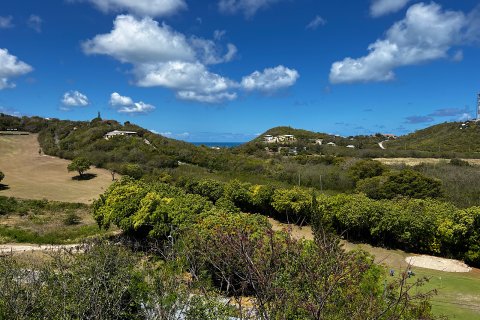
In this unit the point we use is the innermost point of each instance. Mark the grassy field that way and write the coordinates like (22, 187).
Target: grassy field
(45, 222)
(458, 293)
(29, 175)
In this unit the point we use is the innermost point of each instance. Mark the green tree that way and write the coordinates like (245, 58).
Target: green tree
(2, 175)
(80, 165)
(366, 169)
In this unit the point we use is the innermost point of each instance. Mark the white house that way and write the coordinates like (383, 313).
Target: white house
(115, 133)
(332, 144)
(351, 146)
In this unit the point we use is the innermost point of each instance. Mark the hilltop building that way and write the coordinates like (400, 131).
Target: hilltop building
(115, 133)
(286, 138)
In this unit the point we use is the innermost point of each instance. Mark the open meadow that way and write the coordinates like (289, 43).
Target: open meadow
(31, 175)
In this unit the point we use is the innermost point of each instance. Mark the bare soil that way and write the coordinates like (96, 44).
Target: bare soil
(30, 175)
(416, 161)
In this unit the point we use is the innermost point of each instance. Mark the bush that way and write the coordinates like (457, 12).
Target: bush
(71, 219)
(2, 175)
(406, 183)
(364, 169)
(459, 162)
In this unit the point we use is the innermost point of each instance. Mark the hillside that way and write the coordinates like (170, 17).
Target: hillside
(142, 152)
(461, 137)
(314, 142)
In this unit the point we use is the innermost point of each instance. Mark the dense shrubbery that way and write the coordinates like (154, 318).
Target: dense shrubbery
(404, 183)
(242, 256)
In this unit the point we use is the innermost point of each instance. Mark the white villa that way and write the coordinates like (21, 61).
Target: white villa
(286, 138)
(115, 133)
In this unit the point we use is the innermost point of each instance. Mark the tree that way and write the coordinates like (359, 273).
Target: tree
(2, 175)
(80, 165)
(366, 169)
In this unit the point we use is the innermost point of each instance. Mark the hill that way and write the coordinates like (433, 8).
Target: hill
(136, 154)
(459, 137)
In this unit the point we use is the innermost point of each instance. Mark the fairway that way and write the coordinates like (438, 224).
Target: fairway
(29, 175)
(458, 293)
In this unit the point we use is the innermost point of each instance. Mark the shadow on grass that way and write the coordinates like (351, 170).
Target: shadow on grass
(4, 187)
(84, 177)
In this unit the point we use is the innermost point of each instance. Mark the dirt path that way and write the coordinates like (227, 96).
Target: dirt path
(30, 175)
(17, 248)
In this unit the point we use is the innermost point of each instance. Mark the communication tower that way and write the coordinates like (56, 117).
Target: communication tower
(478, 107)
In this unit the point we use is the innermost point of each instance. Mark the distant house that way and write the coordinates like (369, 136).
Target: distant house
(332, 144)
(115, 133)
(319, 141)
(286, 138)
(351, 146)
(390, 136)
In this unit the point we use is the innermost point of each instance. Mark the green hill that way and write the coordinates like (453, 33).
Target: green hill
(460, 137)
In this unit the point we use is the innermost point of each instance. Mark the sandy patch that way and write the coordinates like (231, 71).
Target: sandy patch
(416, 161)
(14, 248)
(436, 263)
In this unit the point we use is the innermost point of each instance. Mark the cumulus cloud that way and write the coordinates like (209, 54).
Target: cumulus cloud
(74, 99)
(11, 67)
(154, 8)
(425, 34)
(316, 22)
(270, 79)
(162, 57)
(382, 7)
(247, 7)
(35, 23)
(135, 41)
(6, 22)
(125, 104)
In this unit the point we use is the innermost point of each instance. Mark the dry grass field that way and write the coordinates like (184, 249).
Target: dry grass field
(29, 175)
(417, 161)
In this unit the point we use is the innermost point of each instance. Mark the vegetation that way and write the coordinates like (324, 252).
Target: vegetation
(80, 165)
(404, 183)
(2, 176)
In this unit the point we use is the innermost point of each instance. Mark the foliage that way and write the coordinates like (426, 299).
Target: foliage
(2, 176)
(459, 162)
(364, 169)
(407, 183)
(80, 165)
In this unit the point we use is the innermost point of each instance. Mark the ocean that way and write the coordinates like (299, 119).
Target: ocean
(219, 144)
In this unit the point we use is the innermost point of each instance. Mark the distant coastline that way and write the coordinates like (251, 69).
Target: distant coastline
(219, 144)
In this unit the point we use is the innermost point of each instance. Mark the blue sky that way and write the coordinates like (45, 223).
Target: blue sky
(226, 70)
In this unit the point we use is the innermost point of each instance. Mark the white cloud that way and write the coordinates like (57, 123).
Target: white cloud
(140, 41)
(74, 99)
(126, 105)
(153, 8)
(6, 22)
(210, 52)
(35, 22)
(247, 7)
(316, 22)
(270, 79)
(11, 67)
(162, 57)
(383, 7)
(192, 81)
(425, 34)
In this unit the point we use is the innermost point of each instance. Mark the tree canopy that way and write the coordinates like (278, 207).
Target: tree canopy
(80, 165)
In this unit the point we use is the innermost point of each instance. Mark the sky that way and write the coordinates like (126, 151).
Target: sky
(228, 70)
